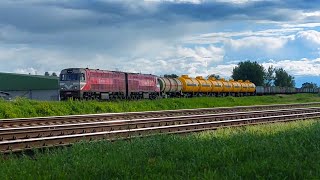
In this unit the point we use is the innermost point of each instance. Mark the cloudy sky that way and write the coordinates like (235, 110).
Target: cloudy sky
(195, 37)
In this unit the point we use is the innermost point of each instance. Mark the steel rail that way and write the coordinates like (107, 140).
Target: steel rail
(20, 122)
(21, 144)
(78, 128)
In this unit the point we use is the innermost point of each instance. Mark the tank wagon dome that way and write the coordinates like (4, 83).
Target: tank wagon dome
(227, 86)
(205, 85)
(244, 86)
(189, 85)
(217, 85)
(236, 86)
(251, 86)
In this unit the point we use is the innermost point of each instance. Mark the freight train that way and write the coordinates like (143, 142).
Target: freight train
(84, 83)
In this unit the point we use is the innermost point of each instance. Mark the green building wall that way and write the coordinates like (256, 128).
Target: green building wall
(24, 82)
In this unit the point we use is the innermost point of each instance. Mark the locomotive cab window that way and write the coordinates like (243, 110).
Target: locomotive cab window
(82, 77)
(69, 77)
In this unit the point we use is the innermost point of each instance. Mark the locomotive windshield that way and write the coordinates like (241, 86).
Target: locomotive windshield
(72, 77)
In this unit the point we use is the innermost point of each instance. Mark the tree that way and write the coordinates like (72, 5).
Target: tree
(54, 74)
(309, 85)
(214, 76)
(171, 76)
(46, 74)
(249, 71)
(283, 79)
(269, 76)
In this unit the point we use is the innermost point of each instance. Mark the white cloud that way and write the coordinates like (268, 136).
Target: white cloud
(223, 70)
(240, 1)
(24, 59)
(311, 14)
(220, 37)
(29, 70)
(310, 36)
(177, 1)
(202, 54)
(180, 60)
(302, 25)
(267, 44)
(303, 67)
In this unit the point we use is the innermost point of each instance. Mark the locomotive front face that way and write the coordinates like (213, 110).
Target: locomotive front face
(71, 83)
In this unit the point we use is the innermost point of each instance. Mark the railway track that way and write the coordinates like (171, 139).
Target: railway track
(56, 131)
(23, 122)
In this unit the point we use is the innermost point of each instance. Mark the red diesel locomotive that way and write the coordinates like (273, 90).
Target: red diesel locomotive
(84, 83)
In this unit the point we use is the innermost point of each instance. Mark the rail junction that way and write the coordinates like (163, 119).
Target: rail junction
(28, 133)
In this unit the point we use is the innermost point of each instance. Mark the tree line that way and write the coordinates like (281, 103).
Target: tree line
(256, 73)
(53, 74)
(260, 76)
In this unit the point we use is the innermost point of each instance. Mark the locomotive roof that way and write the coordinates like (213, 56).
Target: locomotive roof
(99, 70)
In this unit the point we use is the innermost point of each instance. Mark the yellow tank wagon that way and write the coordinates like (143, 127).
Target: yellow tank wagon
(216, 87)
(227, 87)
(251, 87)
(236, 87)
(205, 85)
(244, 87)
(190, 86)
(248, 88)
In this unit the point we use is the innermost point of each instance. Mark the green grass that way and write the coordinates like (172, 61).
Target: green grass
(273, 151)
(29, 108)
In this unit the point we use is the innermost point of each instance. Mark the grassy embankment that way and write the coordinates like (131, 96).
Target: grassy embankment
(29, 108)
(273, 151)
(290, 151)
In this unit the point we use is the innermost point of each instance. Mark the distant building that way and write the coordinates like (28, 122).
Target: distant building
(30, 86)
